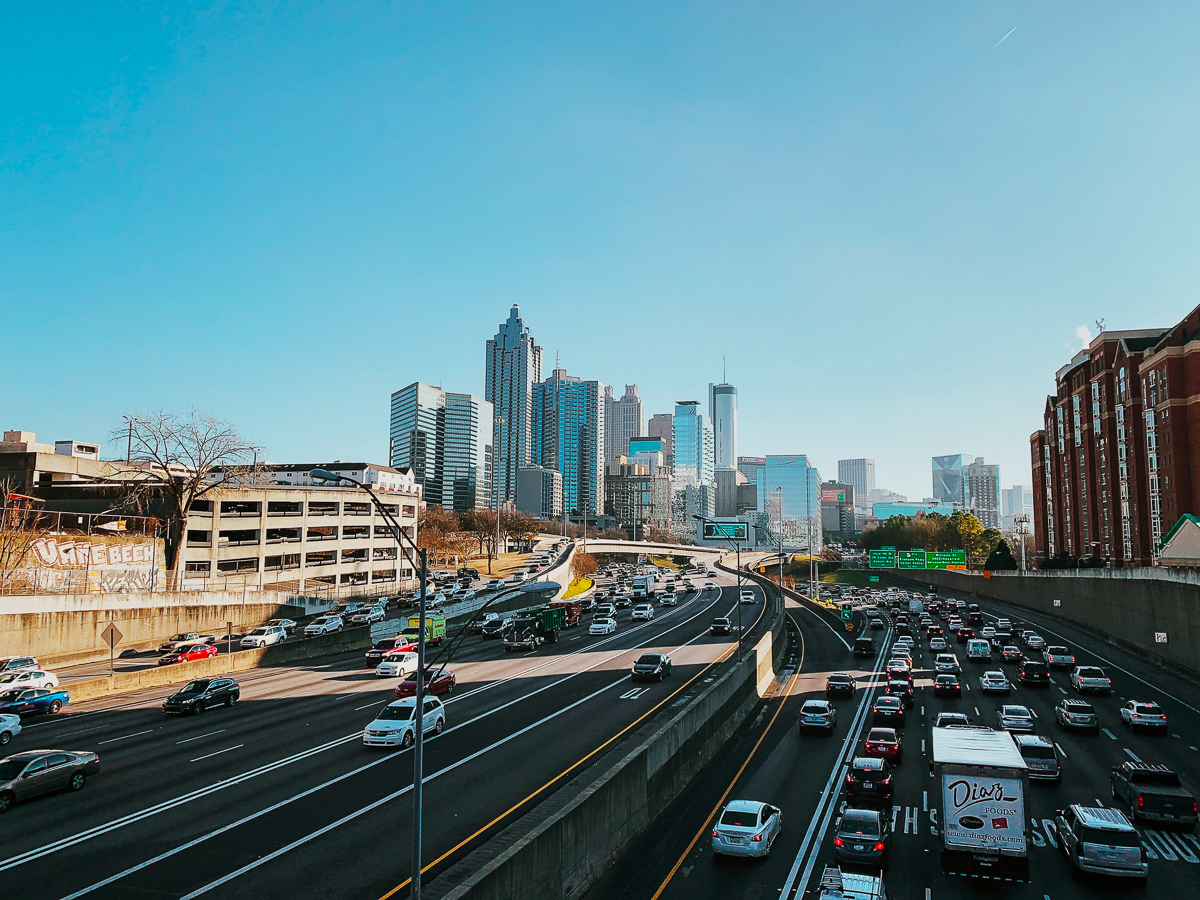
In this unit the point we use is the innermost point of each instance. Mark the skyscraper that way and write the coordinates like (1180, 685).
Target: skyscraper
(567, 429)
(662, 426)
(981, 490)
(790, 492)
(948, 479)
(624, 419)
(722, 409)
(446, 438)
(513, 366)
(692, 444)
(861, 474)
(1016, 501)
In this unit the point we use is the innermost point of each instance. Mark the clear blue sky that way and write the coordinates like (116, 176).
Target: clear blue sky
(889, 225)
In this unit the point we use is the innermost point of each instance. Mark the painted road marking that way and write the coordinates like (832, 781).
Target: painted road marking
(197, 737)
(634, 693)
(218, 753)
(1132, 755)
(1109, 733)
(925, 801)
(368, 706)
(1060, 749)
(910, 820)
(124, 737)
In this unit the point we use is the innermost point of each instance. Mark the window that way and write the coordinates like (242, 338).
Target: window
(240, 508)
(198, 538)
(320, 558)
(201, 565)
(284, 508)
(246, 564)
(322, 533)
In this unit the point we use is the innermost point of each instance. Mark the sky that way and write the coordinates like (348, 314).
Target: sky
(894, 222)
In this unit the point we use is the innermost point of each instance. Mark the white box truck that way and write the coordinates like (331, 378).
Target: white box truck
(982, 779)
(916, 607)
(643, 587)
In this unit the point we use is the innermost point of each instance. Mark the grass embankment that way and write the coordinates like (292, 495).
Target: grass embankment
(578, 586)
(664, 562)
(846, 576)
(505, 565)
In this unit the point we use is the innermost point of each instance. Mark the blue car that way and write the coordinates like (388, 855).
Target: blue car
(30, 701)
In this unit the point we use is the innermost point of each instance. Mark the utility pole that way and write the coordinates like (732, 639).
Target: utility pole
(1022, 523)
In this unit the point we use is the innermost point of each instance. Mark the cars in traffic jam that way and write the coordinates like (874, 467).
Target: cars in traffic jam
(188, 654)
(33, 701)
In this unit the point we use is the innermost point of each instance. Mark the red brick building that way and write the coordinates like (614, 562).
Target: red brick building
(1114, 467)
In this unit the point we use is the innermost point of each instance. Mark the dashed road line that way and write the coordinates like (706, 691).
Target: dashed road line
(197, 737)
(123, 737)
(218, 753)
(1132, 755)
(1109, 733)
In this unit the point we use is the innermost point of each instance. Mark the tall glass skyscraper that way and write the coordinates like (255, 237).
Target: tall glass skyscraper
(692, 444)
(568, 436)
(513, 365)
(722, 407)
(790, 493)
(948, 485)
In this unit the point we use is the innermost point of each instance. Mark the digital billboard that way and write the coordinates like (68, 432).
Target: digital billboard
(732, 531)
(831, 496)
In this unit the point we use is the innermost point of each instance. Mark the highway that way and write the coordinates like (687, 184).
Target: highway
(277, 796)
(802, 775)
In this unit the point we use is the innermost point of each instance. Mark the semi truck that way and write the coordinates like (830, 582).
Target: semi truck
(643, 587)
(573, 609)
(981, 783)
(533, 627)
(435, 628)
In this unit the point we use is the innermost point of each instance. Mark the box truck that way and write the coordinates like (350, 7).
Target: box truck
(643, 587)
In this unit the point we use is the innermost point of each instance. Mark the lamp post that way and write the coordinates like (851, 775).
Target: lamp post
(496, 422)
(738, 550)
(419, 719)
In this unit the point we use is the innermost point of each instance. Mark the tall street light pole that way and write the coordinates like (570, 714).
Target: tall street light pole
(408, 550)
(497, 422)
(737, 547)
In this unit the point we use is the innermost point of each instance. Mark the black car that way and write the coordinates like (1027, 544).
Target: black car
(902, 689)
(869, 779)
(889, 711)
(652, 667)
(720, 626)
(202, 694)
(946, 685)
(840, 684)
(864, 646)
(1034, 674)
(495, 628)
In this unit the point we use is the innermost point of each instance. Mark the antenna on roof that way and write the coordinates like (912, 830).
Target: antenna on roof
(724, 377)
(1100, 325)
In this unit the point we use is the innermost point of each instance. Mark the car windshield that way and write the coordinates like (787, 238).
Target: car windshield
(888, 703)
(11, 768)
(649, 659)
(10, 695)
(260, 631)
(1110, 838)
(397, 714)
(320, 621)
(858, 821)
(196, 687)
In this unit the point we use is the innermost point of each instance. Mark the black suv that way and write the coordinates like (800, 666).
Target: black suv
(1034, 674)
(202, 694)
(864, 646)
(869, 779)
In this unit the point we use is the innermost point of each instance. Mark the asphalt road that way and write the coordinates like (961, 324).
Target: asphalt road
(802, 774)
(277, 796)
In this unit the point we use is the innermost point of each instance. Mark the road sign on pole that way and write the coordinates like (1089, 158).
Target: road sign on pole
(111, 636)
(883, 558)
(847, 614)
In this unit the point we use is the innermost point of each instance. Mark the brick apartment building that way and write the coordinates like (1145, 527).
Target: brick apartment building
(1114, 467)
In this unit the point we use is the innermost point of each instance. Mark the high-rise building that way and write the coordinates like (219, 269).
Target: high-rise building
(539, 492)
(446, 439)
(1016, 501)
(948, 479)
(568, 436)
(728, 482)
(662, 426)
(837, 508)
(513, 365)
(692, 444)
(790, 493)
(751, 467)
(861, 474)
(637, 497)
(722, 409)
(981, 490)
(624, 419)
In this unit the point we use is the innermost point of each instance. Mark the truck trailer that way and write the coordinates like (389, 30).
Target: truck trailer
(643, 587)
(982, 779)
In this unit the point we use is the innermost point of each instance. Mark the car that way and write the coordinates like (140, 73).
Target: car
(397, 665)
(947, 685)
(1071, 713)
(987, 632)
(901, 688)
(1014, 718)
(862, 837)
(669, 599)
(495, 584)
(934, 631)
(368, 616)
(1035, 642)
(324, 625)
(622, 601)
(1144, 714)
(720, 625)
(1058, 657)
(475, 626)
(31, 701)
(995, 682)
(947, 663)
(188, 654)
(264, 636)
(651, 667)
(36, 772)
(876, 624)
(604, 611)
(203, 693)
(888, 711)
(602, 626)
(1090, 679)
(963, 635)
(10, 664)
(840, 684)
(395, 726)
(1040, 756)
(1101, 841)
(1154, 793)
(1003, 624)
(818, 714)
(747, 596)
(884, 743)
(10, 727)
(974, 617)
(938, 645)
(643, 612)
(901, 652)
(1011, 653)
(710, 586)
(746, 828)
(1034, 673)
(864, 647)
(462, 595)
(28, 678)
(437, 681)
(436, 600)
(952, 719)
(869, 779)
(288, 625)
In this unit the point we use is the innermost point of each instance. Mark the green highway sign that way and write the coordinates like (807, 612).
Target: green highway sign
(946, 559)
(883, 558)
(847, 614)
(872, 578)
(733, 531)
(911, 559)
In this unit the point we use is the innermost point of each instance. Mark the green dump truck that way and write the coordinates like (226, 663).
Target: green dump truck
(435, 628)
(534, 627)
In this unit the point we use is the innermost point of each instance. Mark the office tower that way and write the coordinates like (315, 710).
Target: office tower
(981, 491)
(662, 426)
(513, 366)
(861, 474)
(624, 419)
(568, 436)
(790, 492)
(446, 439)
(1016, 501)
(692, 444)
(539, 492)
(722, 409)
(948, 479)
(837, 508)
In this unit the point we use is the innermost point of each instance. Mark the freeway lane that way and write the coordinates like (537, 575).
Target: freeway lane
(509, 694)
(795, 770)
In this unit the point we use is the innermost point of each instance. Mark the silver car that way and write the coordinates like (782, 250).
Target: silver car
(1101, 841)
(819, 714)
(37, 772)
(1011, 717)
(746, 828)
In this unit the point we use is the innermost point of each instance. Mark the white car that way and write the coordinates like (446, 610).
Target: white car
(946, 663)
(1011, 717)
(495, 584)
(1035, 642)
(10, 727)
(399, 665)
(668, 600)
(395, 726)
(746, 828)
(747, 596)
(17, 664)
(1090, 678)
(710, 586)
(28, 678)
(989, 632)
(1003, 625)
(264, 636)
(994, 682)
(643, 612)
(435, 601)
(463, 594)
(288, 625)
(938, 645)
(603, 626)
(324, 625)
(367, 616)
(1143, 714)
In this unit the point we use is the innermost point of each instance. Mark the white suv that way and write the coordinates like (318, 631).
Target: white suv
(324, 625)
(395, 726)
(643, 611)
(264, 636)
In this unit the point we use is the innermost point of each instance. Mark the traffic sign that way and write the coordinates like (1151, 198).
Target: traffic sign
(872, 578)
(911, 559)
(883, 558)
(111, 635)
(847, 614)
(946, 559)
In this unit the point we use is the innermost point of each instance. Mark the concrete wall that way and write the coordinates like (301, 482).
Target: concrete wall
(1126, 611)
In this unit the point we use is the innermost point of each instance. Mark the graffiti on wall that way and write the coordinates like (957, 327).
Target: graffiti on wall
(79, 565)
(76, 554)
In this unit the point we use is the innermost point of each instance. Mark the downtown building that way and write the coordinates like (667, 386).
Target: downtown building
(861, 474)
(722, 410)
(624, 420)
(512, 366)
(1115, 464)
(567, 432)
(693, 473)
(446, 440)
(662, 426)
(638, 497)
(789, 492)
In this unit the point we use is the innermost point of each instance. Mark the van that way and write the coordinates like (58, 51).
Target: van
(979, 650)
(864, 647)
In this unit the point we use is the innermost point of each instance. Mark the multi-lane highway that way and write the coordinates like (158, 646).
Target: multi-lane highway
(802, 774)
(278, 797)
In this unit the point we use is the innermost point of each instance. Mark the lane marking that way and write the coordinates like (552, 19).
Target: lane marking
(369, 705)
(218, 753)
(924, 798)
(123, 737)
(1109, 733)
(1132, 755)
(1060, 749)
(197, 737)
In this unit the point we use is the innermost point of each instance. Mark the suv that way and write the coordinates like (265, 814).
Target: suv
(869, 779)
(324, 625)
(396, 726)
(1034, 674)
(864, 646)
(1090, 678)
(1077, 714)
(1039, 755)
(818, 714)
(1101, 841)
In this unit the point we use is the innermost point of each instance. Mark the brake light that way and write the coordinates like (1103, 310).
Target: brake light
(1141, 801)
(837, 842)
(886, 781)
(758, 837)
(715, 832)
(850, 779)
(879, 846)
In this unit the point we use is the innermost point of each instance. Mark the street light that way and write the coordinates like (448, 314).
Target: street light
(738, 549)
(419, 742)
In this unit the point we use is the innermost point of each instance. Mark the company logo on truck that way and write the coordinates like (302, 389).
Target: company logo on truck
(984, 812)
(965, 793)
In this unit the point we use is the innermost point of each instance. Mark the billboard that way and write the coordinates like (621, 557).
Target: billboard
(882, 559)
(733, 531)
(831, 496)
(910, 559)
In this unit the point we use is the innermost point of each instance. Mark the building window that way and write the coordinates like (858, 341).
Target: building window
(240, 508)
(320, 558)
(200, 565)
(284, 508)
(247, 564)
(322, 533)
(198, 538)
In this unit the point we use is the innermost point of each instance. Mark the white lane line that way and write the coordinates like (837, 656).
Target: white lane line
(1060, 749)
(977, 710)
(1191, 746)
(1033, 712)
(924, 800)
(368, 706)
(1061, 688)
(1109, 733)
(922, 745)
(1132, 755)
(123, 737)
(197, 737)
(218, 753)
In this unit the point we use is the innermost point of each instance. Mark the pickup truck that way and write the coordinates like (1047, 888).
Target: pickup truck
(183, 639)
(1153, 793)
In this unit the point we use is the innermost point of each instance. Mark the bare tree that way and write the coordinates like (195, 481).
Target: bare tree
(173, 460)
(18, 530)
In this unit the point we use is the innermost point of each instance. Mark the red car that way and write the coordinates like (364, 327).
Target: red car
(884, 743)
(964, 634)
(437, 681)
(187, 654)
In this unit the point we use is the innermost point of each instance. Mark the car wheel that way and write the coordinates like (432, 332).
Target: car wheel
(5, 737)
(55, 706)
(6, 801)
(230, 700)
(78, 780)
(408, 739)
(439, 726)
